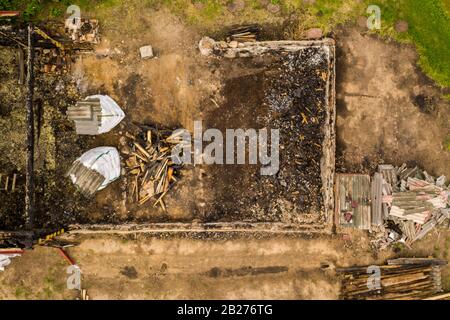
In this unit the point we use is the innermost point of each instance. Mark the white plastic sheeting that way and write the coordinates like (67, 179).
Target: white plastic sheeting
(5, 260)
(104, 160)
(111, 113)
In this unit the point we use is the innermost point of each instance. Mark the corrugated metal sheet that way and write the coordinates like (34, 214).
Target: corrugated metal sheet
(87, 180)
(377, 194)
(353, 200)
(389, 174)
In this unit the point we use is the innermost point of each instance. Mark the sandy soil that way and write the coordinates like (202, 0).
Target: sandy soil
(169, 89)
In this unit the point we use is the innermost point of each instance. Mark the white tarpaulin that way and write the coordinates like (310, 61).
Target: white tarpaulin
(5, 260)
(111, 113)
(104, 160)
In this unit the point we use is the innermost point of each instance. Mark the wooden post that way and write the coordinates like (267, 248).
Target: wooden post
(29, 186)
(13, 188)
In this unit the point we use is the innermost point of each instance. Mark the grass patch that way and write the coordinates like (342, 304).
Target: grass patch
(34, 10)
(428, 29)
(447, 144)
(23, 292)
(428, 21)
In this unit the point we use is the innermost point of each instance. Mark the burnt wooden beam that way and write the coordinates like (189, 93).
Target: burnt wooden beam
(21, 61)
(29, 184)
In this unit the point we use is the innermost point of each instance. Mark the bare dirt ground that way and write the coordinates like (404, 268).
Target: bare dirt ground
(169, 90)
(387, 110)
(151, 268)
(142, 267)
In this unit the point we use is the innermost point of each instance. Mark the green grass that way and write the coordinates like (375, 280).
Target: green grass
(428, 29)
(41, 9)
(23, 292)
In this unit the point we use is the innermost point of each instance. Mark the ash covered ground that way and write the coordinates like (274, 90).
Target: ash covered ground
(275, 91)
(285, 91)
(56, 145)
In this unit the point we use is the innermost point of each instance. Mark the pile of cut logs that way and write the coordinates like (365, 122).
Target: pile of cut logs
(149, 164)
(400, 279)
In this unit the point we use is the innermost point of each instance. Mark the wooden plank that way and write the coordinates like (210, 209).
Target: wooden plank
(443, 296)
(13, 188)
(80, 112)
(29, 179)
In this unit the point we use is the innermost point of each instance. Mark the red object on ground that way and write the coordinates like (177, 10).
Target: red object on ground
(9, 13)
(12, 251)
(66, 256)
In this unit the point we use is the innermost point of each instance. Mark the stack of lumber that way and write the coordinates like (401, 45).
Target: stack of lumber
(401, 279)
(244, 34)
(149, 163)
(87, 116)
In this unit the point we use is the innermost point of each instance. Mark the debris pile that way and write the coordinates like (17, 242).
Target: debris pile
(411, 203)
(83, 30)
(400, 279)
(149, 163)
(297, 106)
(96, 114)
(6, 256)
(290, 96)
(54, 61)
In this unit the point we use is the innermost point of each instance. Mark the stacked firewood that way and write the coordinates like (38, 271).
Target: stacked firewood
(402, 279)
(244, 34)
(149, 164)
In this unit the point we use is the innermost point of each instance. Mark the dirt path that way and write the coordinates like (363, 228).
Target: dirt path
(386, 109)
(145, 267)
(150, 268)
